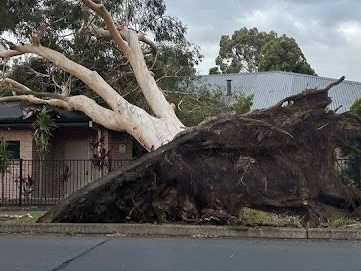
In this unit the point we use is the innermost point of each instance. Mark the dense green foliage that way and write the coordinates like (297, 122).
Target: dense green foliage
(249, 50)
(351, 173)
(13, 13)
(243, 104)
(283, 54)
(193, 107)
(175, 63)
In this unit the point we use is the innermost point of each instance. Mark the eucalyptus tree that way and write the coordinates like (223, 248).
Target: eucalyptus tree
(94, 59)
(249, 50)
(283, 54)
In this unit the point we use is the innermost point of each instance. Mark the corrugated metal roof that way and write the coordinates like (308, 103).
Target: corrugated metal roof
(270, 87)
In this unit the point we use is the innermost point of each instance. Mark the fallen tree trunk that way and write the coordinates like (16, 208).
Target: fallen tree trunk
(282, 157)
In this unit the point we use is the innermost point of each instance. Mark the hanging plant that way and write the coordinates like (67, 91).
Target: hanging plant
(44, 126)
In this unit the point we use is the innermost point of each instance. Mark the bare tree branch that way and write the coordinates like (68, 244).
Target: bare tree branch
(81, 103)
(10, 53)
(20, 88)
(89, 77)
(104, 33)
(35, 100)
(112, 28)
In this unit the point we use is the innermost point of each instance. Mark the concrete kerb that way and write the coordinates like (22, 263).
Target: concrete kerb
(151, 230)
(179, 230)
(335, 234)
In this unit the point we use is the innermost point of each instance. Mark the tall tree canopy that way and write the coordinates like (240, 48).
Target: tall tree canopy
(97, 59)
(249, 50)
(283, 54)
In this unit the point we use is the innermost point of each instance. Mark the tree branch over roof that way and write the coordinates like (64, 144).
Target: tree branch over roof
(21, 89)
(96, 112)
(89, 77)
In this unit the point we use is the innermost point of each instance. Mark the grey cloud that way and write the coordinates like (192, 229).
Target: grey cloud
(313, 24)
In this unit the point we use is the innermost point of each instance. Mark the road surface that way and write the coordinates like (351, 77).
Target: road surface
(98, 253)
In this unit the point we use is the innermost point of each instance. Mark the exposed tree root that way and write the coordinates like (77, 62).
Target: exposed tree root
(282, 157)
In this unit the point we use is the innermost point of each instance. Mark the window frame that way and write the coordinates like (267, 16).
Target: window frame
(14, 148)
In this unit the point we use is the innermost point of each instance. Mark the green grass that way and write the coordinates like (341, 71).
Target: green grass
(30, 217)
(341, 222)
(255, 218)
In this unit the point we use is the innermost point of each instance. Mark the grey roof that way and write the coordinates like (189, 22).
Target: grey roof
(270, 87)
(12, 113)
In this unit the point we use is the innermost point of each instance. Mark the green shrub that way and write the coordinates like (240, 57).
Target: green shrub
(253, 218)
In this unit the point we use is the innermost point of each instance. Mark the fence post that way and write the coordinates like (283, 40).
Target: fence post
(21, 183)
(110, 166)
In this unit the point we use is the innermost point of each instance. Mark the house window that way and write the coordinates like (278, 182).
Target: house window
(14, 148)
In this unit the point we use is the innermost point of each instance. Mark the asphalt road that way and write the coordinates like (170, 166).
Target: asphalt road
(92, 253)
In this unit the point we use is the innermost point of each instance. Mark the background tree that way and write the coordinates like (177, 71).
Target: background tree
(214, 70)
(240, 52)
(246, 48)
(175, 63)
(98, 63)
(283, 54)
(196, 107)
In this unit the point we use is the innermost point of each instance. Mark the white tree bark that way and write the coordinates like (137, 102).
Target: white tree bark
(152, 131)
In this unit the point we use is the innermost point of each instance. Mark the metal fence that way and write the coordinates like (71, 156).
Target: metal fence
(36, 182)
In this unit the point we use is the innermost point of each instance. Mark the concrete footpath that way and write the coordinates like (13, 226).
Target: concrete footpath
(179, 230)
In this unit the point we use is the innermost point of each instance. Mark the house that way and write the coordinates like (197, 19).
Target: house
(71, 162)
(271, 87)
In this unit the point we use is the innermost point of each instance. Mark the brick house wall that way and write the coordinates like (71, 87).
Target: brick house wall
(65, 144)
(120, 144)
(24, 135)
(70, 153)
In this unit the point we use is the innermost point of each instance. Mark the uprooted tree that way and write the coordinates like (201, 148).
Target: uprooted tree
(281, 157)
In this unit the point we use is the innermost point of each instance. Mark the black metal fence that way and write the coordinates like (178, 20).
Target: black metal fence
(36, 182)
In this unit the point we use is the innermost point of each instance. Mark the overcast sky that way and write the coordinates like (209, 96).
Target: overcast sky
(328, 32)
